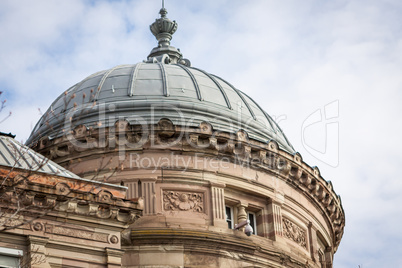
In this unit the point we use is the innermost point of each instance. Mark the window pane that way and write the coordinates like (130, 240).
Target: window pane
(252, 219)
(9, 261)
(229, 216)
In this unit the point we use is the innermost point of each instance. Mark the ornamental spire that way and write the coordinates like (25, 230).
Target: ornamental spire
(163, 29)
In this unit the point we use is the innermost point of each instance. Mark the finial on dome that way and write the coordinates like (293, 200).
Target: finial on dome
(163, 10)
(163, 29)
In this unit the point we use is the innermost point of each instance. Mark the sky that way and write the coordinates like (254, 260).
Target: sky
(329, 72)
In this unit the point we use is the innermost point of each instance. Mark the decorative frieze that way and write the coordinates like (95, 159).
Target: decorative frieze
(183, 201)
(77, 233)
(294, 232)
(9, 219)
(102, 205)
(267, 156)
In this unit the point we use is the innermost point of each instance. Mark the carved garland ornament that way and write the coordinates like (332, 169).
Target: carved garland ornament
(294, 232)
(183, 201)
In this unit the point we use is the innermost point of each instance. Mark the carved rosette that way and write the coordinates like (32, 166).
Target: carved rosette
(113, 239)
(37, 226)
(183, 201)
(294, 232)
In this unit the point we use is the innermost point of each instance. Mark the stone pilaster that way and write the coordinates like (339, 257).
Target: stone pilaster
(36, 257)
(312, 237)
(328, 257)
(149, 195)
(133, 190)
(113, 257)
(274, 218)
(218, 204)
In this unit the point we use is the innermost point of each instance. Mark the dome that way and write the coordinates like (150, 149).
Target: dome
(165, 86)
(203, 157)
(149, 91)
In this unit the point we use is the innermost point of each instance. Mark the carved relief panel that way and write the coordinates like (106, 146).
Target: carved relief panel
(294, 232)
(183, 201)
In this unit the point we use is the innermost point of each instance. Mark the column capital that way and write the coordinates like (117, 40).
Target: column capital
(217, 184)
(113, 257)
(279, 198)
(37, 240)
(148, 179)
(114, 252)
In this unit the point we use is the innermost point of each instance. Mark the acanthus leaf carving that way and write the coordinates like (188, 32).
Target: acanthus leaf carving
(183, 201)
(294, 232)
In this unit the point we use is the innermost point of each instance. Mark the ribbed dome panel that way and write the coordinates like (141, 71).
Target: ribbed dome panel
(147, 92)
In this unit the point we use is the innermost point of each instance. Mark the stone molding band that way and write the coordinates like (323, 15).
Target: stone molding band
(217, 244)
(69, 197)
(267, 156)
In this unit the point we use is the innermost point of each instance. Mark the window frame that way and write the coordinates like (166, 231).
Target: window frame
(11, 253)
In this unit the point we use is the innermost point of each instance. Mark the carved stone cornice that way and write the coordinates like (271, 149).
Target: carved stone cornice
(43, 194)
(237, 147)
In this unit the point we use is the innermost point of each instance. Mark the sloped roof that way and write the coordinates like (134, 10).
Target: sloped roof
(16, 155)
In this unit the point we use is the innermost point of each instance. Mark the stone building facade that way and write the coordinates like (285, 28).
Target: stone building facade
(50, 217)
(203, 156)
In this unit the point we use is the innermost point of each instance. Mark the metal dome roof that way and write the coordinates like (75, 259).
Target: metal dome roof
(164, 86)
(147, 92)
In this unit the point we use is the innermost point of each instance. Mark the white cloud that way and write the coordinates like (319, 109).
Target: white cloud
(294, 57)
